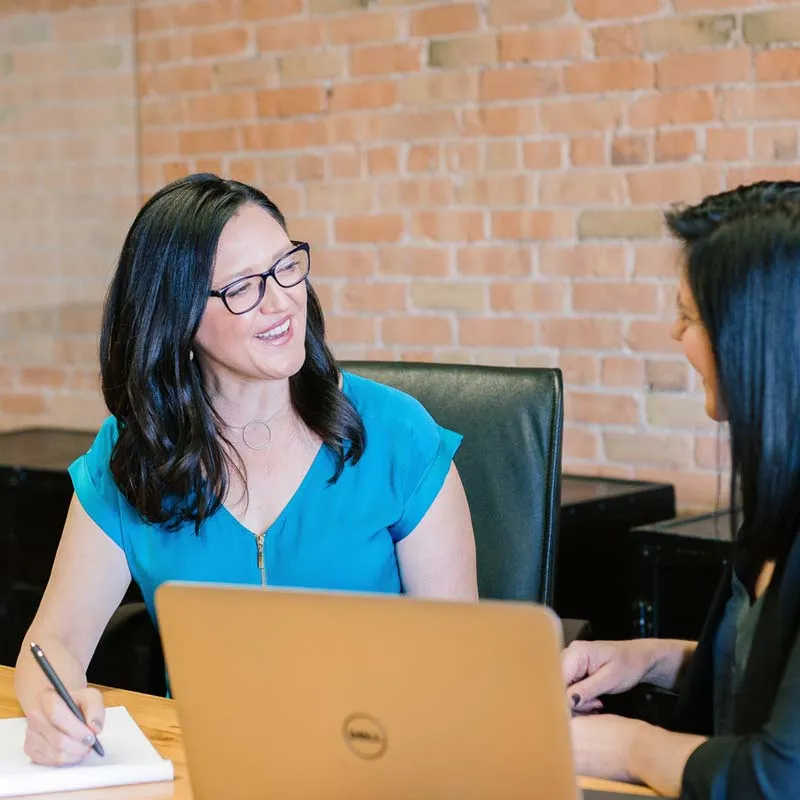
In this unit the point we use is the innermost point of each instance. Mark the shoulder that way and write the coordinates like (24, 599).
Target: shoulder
(379, 404)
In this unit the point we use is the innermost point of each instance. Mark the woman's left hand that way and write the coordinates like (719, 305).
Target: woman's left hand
(602, 745)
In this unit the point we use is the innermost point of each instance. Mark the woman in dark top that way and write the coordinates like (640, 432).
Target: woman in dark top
(738, 723)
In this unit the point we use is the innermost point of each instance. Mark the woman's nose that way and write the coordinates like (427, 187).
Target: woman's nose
(275, 297)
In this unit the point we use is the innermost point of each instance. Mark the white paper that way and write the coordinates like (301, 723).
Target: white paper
(129, 758)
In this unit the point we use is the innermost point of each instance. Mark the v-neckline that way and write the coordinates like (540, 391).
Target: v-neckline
(289, 503)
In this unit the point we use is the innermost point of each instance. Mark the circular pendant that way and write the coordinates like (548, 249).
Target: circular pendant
(256, 435)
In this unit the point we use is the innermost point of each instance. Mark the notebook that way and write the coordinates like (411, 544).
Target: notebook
(129, 758)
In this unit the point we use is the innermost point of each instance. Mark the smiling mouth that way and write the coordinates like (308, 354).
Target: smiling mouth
(275, 332)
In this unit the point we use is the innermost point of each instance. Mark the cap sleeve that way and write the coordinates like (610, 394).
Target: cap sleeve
(424, 454)
(94, 484)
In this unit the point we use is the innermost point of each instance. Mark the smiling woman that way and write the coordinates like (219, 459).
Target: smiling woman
(237, 450)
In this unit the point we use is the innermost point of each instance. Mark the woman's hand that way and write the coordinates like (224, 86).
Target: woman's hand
(602, 745)
(55, 736)
(592, 669)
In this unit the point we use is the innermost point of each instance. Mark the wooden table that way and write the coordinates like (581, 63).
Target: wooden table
(157, 717)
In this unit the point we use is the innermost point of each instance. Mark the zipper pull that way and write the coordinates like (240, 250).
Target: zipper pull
(260, 551)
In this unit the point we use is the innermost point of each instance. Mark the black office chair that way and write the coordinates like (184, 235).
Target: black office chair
(509, 462)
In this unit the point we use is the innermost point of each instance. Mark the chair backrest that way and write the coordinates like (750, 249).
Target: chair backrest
(509, 461)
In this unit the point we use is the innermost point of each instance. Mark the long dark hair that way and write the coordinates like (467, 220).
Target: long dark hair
(169, 461)
(742, 263)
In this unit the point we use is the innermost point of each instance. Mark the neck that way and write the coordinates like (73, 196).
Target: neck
(242, 402)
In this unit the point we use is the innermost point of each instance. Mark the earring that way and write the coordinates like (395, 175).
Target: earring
(191, 355)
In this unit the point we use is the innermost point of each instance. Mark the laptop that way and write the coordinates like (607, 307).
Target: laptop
(297, 694)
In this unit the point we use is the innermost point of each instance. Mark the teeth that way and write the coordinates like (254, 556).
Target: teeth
(273, 333)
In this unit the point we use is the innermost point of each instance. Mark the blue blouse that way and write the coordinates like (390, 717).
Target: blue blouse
(338, 536)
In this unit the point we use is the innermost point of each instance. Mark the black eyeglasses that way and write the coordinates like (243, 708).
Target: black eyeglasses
(244, 294)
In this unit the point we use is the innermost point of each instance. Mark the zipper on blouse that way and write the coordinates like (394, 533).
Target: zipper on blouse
(260, 562)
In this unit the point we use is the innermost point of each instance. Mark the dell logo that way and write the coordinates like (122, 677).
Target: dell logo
(364, 736)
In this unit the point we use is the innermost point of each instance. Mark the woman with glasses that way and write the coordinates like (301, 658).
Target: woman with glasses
(237, 451)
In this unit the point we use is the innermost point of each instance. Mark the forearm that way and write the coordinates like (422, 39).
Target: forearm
(658, 757)
(670, 656)
(29, 680)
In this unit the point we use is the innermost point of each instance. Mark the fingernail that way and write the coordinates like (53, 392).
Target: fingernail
(97, 725)
(576, 699)
(88, 740)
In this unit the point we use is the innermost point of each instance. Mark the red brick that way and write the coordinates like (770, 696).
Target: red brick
(582, 187)
(341, 198)
(678, 70)
(291, 36)
(417, 330)
(369, 229)
(502, 121)
(775, 144)
(624, 75)
(345, 164)
(462, 156)
(583, 261)
(672, 185)
(579, 369)
(366, 26)
(727, 144)
(510, 260)
(651, 337)
(677, 411)
(577, 116)
(784, 172)
(311, 66)
(42, 377)
(494, 191)
(519, 83)
(536, 225)
(443, 19)
(414, 261)
(588, 151)
(501, 155)
(623, 371)
(283, 135)
(667, 376)
(690, 32)
(384, 59)
(624, 223)
(630, 150)
(344, 128)
(176, 80)
(22, 403)
(524, 12)
(778, 65)
(441, 123)
(348, 263)
(522, 298)
(364, 94)
(309, 168)
(580, 443)
(351, 329)
(448, 226)
(615, 298)
(660, 260)
(258, 10)
(416, 193)
(441, 88)
(581, 332)
(467, 51)
(612, 41)
(545, 154)
(672, 108)
(546, 44)
(609, 9)
(712, 452)
(611, 409)
(767, 103)
(383, 160)
(675, 145)
(449, 296)
(496, 332)
(221, 107)
(217, 140)
(423, 158)
(220, 43)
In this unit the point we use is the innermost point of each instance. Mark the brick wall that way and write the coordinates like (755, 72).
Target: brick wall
(68, 190)
(482, 181)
